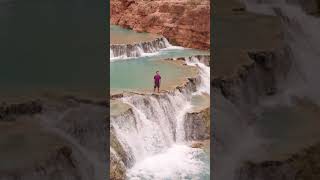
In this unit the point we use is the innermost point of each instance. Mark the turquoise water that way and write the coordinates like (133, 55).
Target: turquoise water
(137, 73)
(123, 36)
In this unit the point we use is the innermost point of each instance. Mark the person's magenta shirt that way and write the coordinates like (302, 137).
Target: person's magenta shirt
(157, 79)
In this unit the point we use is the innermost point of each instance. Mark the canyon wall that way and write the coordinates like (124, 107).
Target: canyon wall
(185, 23)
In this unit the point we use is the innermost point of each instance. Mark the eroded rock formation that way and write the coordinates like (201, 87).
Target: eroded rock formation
(197, 125)
(185, 23)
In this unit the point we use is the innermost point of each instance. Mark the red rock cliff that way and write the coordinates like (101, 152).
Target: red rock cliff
(182, 22)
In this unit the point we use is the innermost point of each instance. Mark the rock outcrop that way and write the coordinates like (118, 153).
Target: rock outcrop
(197, 125)
(185, 22)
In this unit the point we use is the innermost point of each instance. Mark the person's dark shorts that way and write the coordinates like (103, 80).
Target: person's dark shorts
(156, 85)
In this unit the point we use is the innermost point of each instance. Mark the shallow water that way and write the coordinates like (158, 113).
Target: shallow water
(120, 35)
(137, 73)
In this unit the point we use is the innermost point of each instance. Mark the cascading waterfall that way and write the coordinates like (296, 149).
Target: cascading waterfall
(153, 134)
(123, 51)
(302, 36)
(204, 73)
(91, 163)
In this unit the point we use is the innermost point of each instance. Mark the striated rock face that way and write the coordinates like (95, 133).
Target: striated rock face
(117, 168)
(185, 22)
(197, 125)
(304, 165)
(256, 79)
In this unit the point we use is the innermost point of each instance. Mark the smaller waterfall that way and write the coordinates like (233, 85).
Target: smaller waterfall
(139, 49)
(204, 74)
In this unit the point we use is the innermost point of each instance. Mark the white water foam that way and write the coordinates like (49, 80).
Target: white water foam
(204, 74)
(176, 162)
(302, 36)
(139, 52)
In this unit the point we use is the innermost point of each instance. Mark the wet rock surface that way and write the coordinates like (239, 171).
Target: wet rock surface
(197, 125)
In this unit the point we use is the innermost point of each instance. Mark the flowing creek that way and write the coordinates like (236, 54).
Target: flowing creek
(151, 128)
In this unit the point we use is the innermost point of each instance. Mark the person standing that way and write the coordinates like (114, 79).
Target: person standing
(157, 79)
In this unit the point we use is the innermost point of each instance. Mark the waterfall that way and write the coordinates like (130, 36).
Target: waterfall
(204, 74)
(88, 148)
(302, 37)
(240, 142)
(153, 134)
(123, 51)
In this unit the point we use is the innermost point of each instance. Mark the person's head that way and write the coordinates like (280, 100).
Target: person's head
(157, 72)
